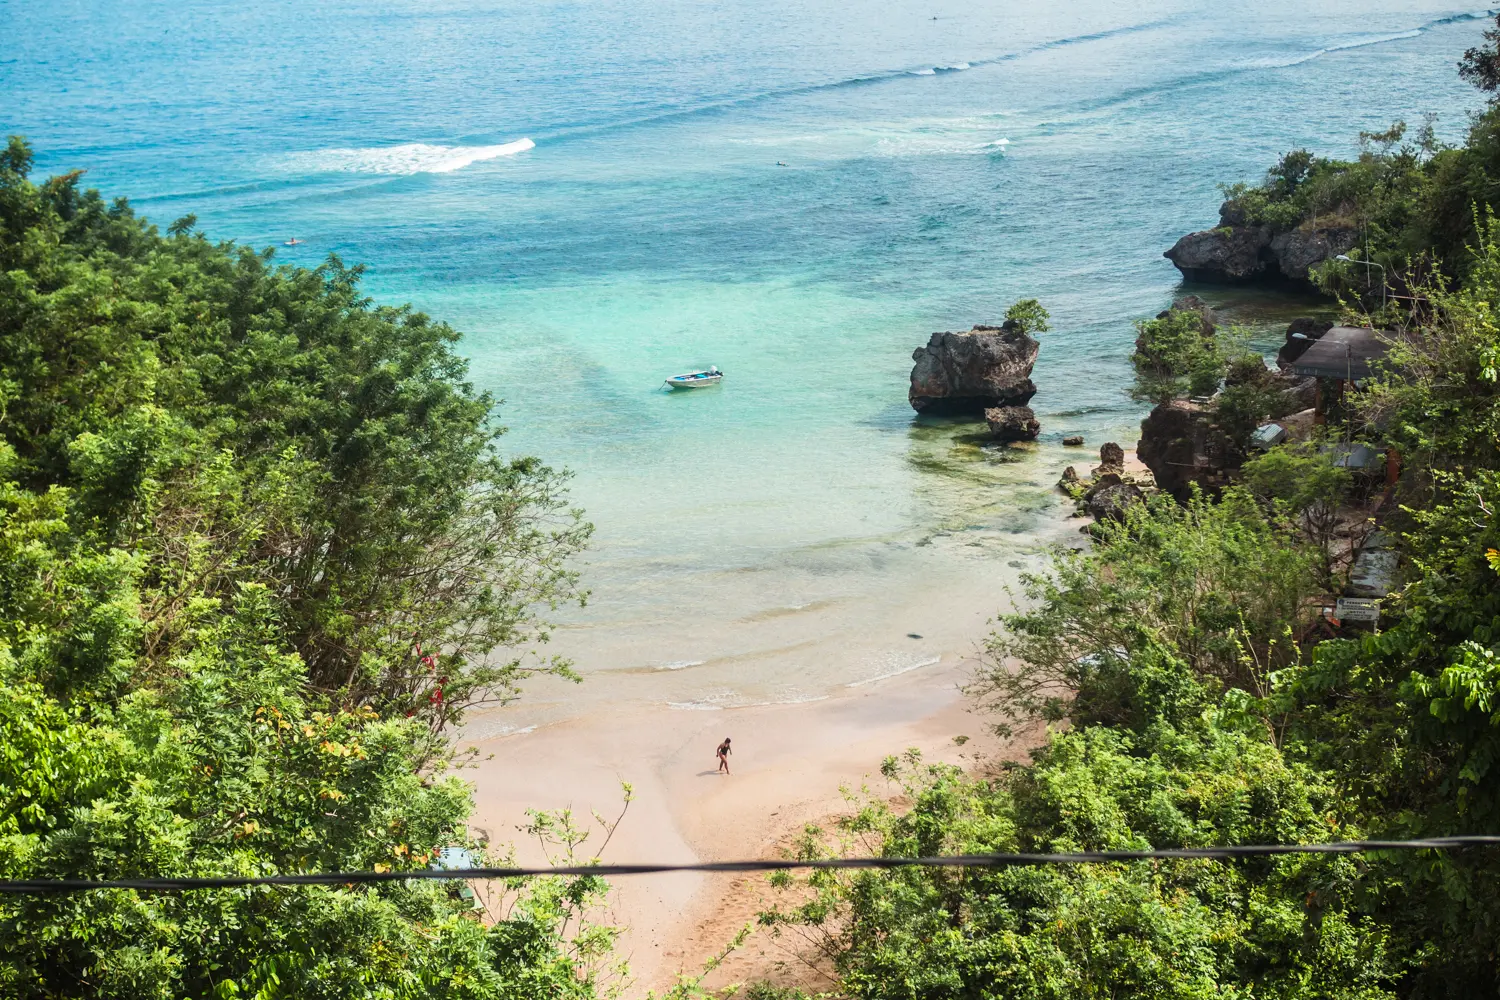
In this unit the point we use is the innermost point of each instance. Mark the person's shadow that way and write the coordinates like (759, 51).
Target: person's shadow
(704, 774)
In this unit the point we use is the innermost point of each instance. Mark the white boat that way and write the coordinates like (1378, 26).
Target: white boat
(695, 380)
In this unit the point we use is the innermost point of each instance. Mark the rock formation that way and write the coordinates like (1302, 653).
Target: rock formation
(974, 370)
(1110, 497)
(1073, 441)
(1180, 446)
(1012, 423)
(1111, 460)
(1238, 251)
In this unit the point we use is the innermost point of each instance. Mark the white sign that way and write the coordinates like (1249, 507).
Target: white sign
(1357, 609)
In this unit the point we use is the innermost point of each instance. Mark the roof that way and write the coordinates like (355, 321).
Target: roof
(1344, 352)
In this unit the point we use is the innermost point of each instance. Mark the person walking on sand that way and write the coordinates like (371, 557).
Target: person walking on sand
(724, 755)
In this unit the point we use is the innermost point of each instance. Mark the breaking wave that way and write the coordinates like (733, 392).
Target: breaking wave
(407, 158)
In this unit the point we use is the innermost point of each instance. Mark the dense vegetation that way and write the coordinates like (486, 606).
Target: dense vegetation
(257, 549)
(1206, 700)
(1416, 202)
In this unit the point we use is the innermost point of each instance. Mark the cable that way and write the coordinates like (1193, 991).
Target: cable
(40, 886)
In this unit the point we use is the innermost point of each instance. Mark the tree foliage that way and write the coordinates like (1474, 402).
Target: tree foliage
(257, 548)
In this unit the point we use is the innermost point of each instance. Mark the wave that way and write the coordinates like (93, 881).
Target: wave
(1211, 76)
(907, 668)
(870, 79)
(405, 159)
(679, 665)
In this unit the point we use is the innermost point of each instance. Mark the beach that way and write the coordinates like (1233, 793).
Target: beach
(873, 678)
(789, 764)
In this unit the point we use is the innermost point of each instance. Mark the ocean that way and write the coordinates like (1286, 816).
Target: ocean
(601, 193)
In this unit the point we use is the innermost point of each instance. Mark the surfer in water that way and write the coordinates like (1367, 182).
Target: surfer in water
(724, 752)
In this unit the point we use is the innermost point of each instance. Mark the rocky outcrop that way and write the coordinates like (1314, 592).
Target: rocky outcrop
(1111, 459)
(968, 372)
(1110, 497)
(1073, 440)
(1012, 423)
(1241, 252)
(1181, 447)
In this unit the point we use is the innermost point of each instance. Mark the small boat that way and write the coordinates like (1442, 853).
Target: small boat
(695, 380)
(293, 242)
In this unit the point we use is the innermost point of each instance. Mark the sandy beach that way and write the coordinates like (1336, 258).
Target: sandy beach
(788, 765)
(859, 678)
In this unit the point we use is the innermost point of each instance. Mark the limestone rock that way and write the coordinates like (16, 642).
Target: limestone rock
(1073, 440)
(974, 370)
(1012, 423)
(1180, 446)
(1238, 251)
(1111, 461)
(1228, 255)
(1191, 303)
(1300, 250)
(1110, 501)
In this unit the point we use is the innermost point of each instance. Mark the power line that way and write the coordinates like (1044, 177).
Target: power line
(41, 886)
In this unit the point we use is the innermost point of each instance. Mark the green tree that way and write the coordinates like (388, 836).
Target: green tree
(1029, 314)
(257, 548)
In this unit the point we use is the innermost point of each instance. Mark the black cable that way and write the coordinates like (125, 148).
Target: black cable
(37, 886)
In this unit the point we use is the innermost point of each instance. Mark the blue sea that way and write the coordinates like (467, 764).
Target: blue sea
(601, 193)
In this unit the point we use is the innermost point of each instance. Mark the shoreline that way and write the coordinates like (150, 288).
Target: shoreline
(790, 765)
(791, 761)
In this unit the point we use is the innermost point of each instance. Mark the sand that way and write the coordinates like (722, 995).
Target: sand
(854, 680)
(788, 765)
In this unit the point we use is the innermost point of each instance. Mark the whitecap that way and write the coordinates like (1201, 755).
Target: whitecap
(924, 72)
(407, 158)
(679, 664)
(956, 67)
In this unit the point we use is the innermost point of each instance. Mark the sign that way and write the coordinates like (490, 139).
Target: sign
(1357, 609)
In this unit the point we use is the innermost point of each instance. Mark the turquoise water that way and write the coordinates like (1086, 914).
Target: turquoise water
(940, 161)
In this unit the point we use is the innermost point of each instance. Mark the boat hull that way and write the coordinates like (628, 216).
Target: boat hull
(689, 382)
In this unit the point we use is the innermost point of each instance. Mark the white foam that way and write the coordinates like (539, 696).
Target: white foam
(956, 67)
(695, 706)
(679, 664)
(407, 158)
(924, 72)
(897, 672)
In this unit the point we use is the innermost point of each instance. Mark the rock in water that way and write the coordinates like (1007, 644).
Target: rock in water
(1012, 423)
(969, 372)
(1228, 255)
(1073, 440)
(1239, 251)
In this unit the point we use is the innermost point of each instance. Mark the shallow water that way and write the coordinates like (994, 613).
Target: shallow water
(776, 537)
